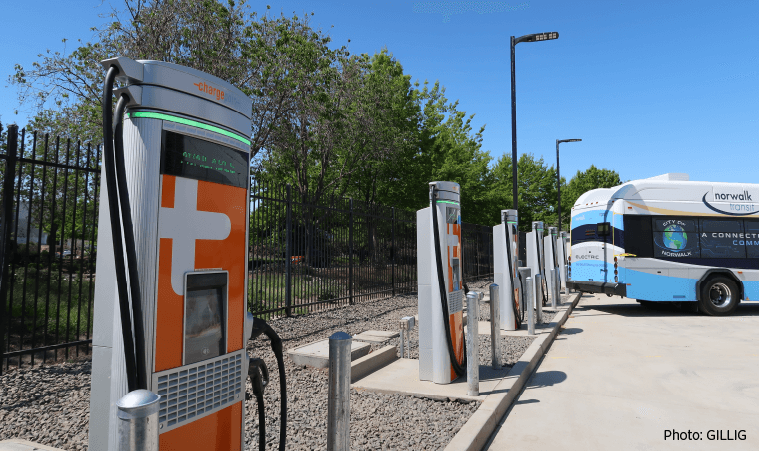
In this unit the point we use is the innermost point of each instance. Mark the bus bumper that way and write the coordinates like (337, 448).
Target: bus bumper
(612, 288)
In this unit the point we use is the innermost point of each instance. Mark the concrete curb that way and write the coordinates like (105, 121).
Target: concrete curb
(476, 432)
(24, 445)
(372, 362)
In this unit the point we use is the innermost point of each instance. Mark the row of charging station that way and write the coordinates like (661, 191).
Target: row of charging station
(440, 278)
(170, 305)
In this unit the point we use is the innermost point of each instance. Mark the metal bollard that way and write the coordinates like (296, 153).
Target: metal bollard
(339, 397)
(530, 297)
(138, 421)
(407, 325)
(539, 297)
(403, 342)
(495, 325)
(472, 338)
(554, 294)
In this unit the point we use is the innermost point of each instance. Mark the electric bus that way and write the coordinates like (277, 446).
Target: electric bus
(666, 239)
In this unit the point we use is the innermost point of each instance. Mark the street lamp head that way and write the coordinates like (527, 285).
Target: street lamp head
(537, 37)
(568, 140)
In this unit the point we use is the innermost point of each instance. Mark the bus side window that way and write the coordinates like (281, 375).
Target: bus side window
(639, 238)
(752, 238)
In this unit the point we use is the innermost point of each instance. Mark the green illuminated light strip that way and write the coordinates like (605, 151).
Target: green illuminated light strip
(181, 120)
(447, 202)
(511, 222)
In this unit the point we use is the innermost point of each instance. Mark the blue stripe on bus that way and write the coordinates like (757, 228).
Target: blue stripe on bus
(593, 270)
(657, 287)
(590, 217)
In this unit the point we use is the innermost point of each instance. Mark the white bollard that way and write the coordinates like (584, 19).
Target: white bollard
(472, 351)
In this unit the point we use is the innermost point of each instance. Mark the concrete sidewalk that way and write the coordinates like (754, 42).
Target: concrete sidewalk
(620, 375)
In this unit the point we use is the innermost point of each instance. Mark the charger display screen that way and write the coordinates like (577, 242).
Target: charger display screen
(195, 158)
(205, 312)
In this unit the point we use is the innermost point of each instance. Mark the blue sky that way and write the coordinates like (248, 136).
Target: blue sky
(651, 87)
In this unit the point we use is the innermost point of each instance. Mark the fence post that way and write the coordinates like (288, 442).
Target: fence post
(350, 254)
(5, 227)
(393, 250)
(289, 254)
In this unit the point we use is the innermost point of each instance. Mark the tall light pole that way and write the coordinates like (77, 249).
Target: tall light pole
(514, 41)
(558, 174)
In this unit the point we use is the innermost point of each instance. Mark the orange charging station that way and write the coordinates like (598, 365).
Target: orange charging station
(186, 158)
(441, 285)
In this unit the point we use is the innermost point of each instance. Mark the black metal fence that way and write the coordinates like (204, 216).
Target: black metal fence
(47, 245)
(303, 257)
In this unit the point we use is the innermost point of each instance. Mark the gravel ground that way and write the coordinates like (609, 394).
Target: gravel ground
(50, 405)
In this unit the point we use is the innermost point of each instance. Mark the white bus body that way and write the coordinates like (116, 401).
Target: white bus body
(669, 239)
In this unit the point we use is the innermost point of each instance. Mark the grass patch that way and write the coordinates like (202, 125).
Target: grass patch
(63, 298)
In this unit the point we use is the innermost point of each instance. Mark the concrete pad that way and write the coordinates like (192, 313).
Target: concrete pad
(619, 375)
(24, 445)
(372, 362)
(402, 376)
(376, 336)
(317, 354)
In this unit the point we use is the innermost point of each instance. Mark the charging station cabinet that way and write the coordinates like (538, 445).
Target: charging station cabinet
(434, 357)
(187, 151)
(506, 234)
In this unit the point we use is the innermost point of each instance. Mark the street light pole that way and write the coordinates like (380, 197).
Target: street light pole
(514, 190)
(514, 41)
(558, 174)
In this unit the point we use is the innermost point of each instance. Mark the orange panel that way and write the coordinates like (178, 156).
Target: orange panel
(168, 187)
(220, 431)
(228, 254)
(170, 310)
(456, 324)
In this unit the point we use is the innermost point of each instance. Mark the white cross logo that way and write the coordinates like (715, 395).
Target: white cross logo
(184, 224)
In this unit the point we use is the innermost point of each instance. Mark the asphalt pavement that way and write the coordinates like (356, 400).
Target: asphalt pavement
(621, 376)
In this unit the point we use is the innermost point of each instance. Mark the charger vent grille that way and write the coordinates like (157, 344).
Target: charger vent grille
(194, 391)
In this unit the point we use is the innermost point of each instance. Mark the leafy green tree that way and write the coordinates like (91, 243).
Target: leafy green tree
(583, 182)
(536, 185)
(392, 141)
(445, 148)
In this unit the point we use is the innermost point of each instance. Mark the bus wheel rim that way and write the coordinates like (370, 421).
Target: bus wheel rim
(720, 295)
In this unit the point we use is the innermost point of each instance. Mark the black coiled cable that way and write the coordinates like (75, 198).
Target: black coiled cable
(134, 379)
(514, 303)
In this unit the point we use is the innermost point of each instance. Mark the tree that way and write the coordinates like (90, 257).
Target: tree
(536, 185)
(583, 182)
(393, 137)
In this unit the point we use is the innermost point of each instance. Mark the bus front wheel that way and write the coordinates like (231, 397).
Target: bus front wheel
(719, 297)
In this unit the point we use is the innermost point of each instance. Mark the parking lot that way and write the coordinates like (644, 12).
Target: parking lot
(621, 376)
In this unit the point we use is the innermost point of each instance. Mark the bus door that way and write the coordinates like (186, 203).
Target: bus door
(603, 232)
